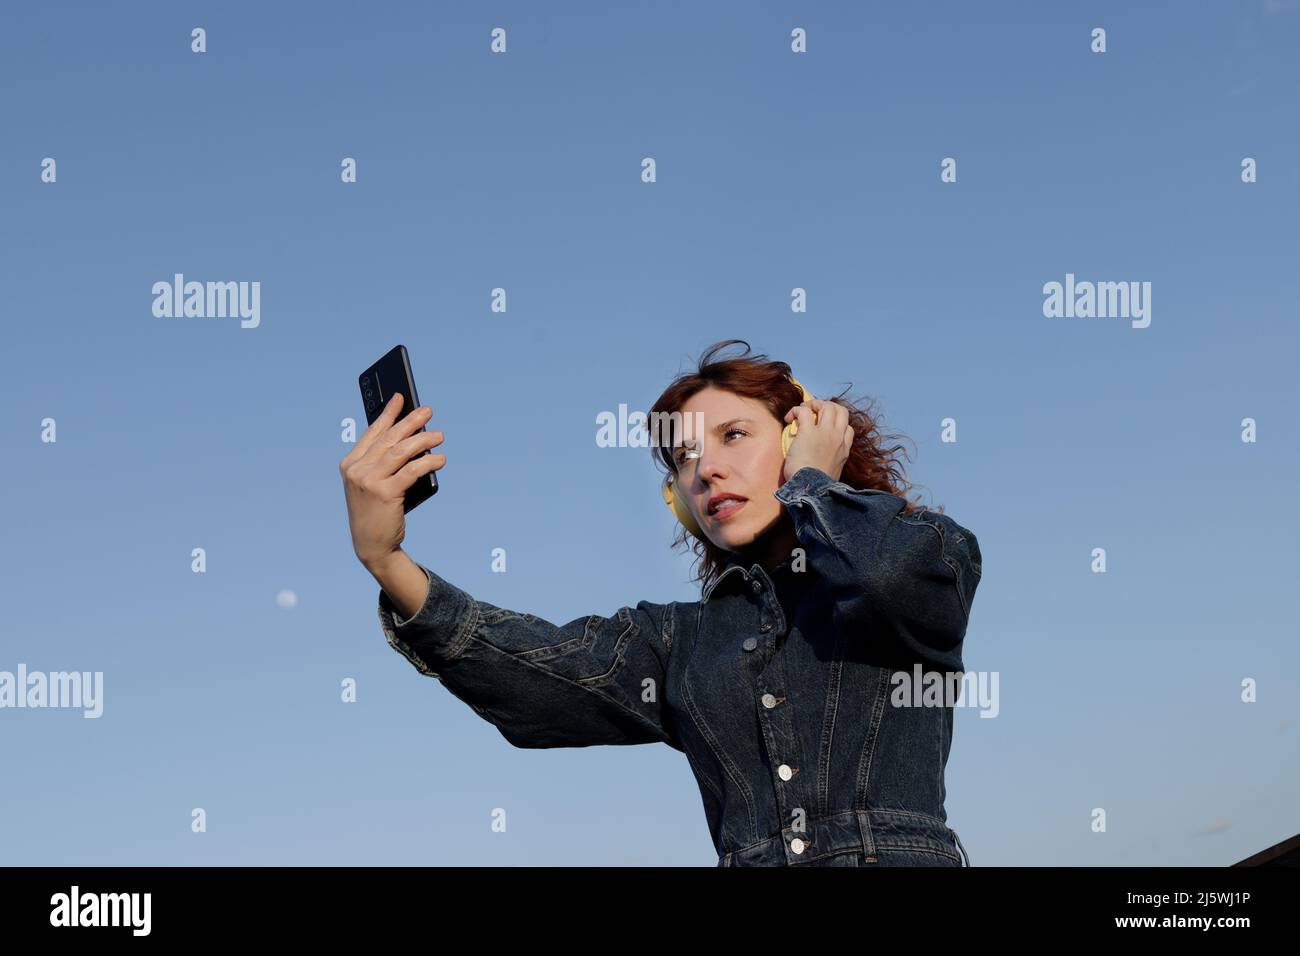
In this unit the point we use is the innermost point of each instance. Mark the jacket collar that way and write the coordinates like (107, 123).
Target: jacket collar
(732, 579)
(736, 576)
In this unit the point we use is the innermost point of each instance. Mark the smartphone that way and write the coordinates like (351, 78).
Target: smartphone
(391, 374)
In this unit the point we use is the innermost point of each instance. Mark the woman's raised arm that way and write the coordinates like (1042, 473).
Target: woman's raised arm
(918, 571)
(594, 680)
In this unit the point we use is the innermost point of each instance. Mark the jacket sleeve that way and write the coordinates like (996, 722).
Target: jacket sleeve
(594, 680)
(917, 573)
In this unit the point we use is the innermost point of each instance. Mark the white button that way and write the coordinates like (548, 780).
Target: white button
(784, 772)
(797, 845)
(769, 700)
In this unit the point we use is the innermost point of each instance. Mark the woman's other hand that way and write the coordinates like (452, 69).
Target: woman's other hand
(823, 440)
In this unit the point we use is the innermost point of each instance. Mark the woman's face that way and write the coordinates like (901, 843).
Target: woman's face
(740, 454)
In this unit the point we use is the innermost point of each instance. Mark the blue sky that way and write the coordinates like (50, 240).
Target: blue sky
(774, 171)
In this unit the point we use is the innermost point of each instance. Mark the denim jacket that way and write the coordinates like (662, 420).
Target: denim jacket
(775, 685)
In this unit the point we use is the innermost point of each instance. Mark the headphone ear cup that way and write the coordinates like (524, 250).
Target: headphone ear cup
(686, 518)
(792, 429)
(787, 436)
(681, 510)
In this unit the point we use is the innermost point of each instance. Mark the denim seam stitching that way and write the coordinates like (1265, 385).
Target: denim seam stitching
(868, 752)
(710, 740)
(947, 559)
(913, 848)
(620, 655)
(547, 651)
(594, 690)
(467, 633)
(890, 811)
(829, 715)
(704, 778)
(405, 650)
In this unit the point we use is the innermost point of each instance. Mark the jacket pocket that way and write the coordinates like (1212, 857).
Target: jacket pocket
(595, 658)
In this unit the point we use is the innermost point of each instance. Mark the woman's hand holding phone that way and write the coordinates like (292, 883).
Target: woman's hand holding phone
(376, 474)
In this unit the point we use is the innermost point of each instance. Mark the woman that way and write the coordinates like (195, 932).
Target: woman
(821, 589)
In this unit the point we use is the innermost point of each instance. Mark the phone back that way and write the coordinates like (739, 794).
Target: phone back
(389, 375)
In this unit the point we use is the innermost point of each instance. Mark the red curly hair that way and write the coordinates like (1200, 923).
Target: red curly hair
(870, 465)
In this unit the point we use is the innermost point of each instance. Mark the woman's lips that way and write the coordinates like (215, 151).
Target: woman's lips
(728, 508)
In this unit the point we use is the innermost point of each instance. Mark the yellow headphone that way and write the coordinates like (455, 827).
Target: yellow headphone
(679, 506)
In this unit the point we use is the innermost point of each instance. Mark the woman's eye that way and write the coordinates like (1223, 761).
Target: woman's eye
(681, 453)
